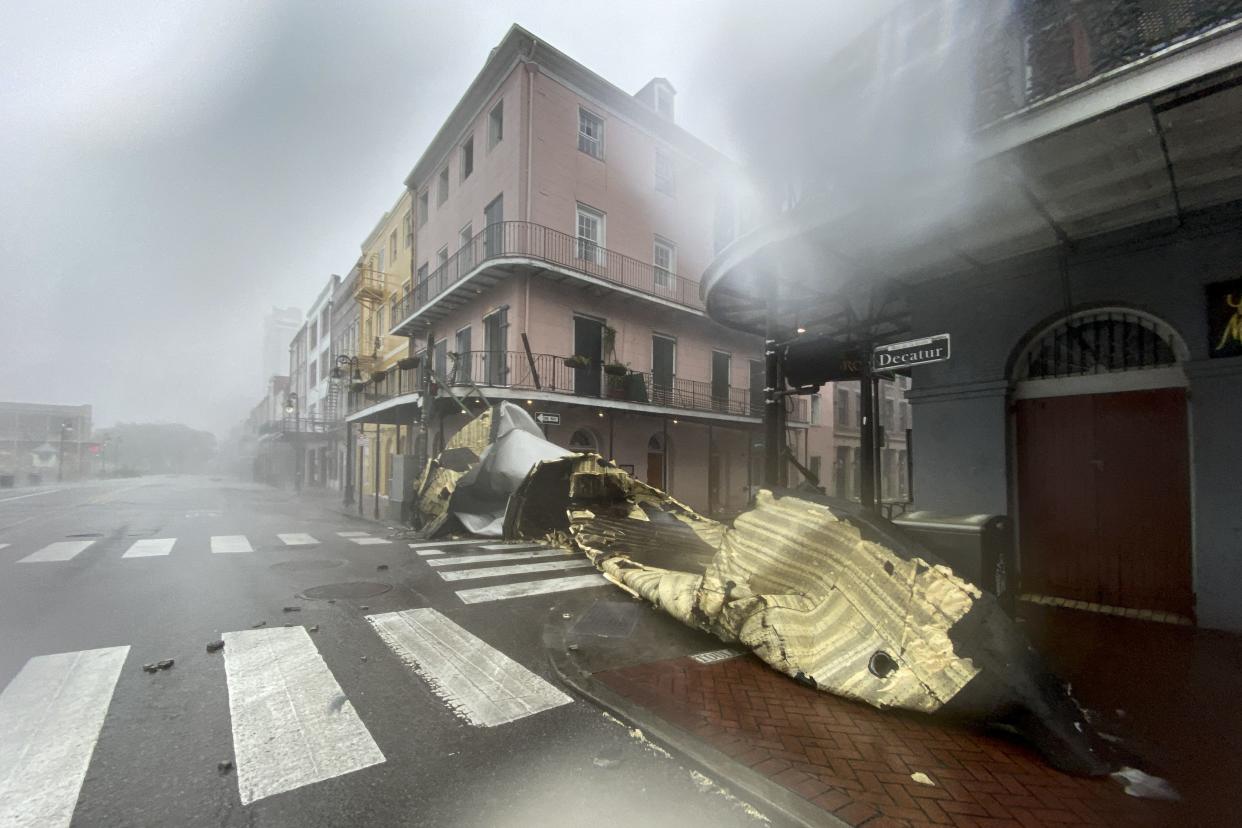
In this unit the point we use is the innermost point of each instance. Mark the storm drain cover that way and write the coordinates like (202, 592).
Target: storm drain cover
(608, 619)
(302, 566)
(353, 589)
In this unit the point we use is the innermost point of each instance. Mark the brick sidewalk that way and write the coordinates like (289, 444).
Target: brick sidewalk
(856, 761)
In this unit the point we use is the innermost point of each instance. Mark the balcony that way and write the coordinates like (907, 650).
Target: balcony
(370, 287)
(500, 249)
(554, 375)
(300, 426)
(1043, 49)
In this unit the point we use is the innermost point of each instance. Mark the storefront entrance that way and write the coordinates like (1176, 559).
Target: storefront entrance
(1103, 477)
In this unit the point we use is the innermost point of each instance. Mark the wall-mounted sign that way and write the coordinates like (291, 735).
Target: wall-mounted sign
(548, 418)
(1224, 308)
(816, 361)
(900, 355)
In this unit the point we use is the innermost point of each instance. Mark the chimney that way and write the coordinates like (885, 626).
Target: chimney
(658, 95)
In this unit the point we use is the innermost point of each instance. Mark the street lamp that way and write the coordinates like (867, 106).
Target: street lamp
(65, 428)
(291, 402)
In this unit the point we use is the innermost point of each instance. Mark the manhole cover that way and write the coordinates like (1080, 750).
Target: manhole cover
(354, 589)
(301, 566)
(608, 619)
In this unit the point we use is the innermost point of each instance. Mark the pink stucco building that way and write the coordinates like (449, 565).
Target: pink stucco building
(561, 227)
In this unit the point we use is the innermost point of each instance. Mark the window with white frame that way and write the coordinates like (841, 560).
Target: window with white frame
(466, 252)
(392, 246)
(380, 267)
(442, 190)
(424, 207)
(407, 224)
(665, 177)
(422, 273)
(590, 133)
(441, 256)
(590, 234)
(664, 255)
(496, 124)
(815, 412)
(467, 158)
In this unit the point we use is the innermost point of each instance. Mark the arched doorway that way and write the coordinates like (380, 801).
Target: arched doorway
(584, 439)
(657, 471)
(1102, 462)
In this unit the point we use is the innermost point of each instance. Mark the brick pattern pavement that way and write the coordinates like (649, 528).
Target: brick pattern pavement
(856, 761)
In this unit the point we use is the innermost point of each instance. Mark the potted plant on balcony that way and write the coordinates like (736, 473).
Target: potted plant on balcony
(577, 361)
(616, 373)
(406, 363)
(378, 376)
(358, 387)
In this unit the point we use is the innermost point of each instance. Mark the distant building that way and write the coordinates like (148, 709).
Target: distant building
(41, 443)
(279, 326)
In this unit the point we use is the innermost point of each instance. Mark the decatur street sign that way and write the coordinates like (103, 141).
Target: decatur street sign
(900, 355)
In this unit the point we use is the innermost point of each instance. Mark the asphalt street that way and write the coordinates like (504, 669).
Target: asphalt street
(410, 686)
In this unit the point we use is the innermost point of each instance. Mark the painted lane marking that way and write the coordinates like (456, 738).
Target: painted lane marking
(504, 592)
(58, 551)
(50, 717)
(292, 725)
(4, 546)
(507, 556)
(426, 552)
(230, 544)
(479, 683)
(297, 539)
(519, 569)
(352, 534)
(474, 542)
(513, 546)
(24, 496)
(370, 541)
(150, 547)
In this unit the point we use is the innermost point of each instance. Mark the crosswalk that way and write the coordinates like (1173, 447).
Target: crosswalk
(292, 724)
(68, 550)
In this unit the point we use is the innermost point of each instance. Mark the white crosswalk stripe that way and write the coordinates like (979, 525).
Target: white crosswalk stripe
(426, 552)
(370, 541)
(296, 539)
(503, 556)
(50, 717)
(230, 544)
(58, 551)
(292, 725)
(150, 547)
(352, 534)
(445, 543)
(478, 682)
(504, 592)
(512, 546)
(516, 569)
(4, 546)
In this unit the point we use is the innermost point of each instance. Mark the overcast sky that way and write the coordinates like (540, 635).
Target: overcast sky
(173, 170)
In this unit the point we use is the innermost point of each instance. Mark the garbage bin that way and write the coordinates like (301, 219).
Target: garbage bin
(979, 548)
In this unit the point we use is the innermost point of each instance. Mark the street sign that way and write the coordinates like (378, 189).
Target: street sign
(819, 360)
(548, 418)
(900, 355)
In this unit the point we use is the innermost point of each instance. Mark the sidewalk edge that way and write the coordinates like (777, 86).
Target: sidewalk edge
(743, 781)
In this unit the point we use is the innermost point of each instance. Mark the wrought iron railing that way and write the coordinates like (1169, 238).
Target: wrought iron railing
(304, 425)
(562, 375)
(1043, 48)
(534, 241)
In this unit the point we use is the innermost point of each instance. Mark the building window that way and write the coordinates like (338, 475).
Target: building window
(441, 257)
(422, 273)
(465, 252)
(310, 373)
(813, 465)
(664, 255)
(583, 440)
(461, 371)
(408, 224)
(590, 235)
(392, 247)
(424, 207)
(440, 358)
(380, 267)
(496, 124)
(815, 413)
(442, 190)
(590, 133)
(314, 331)
(467, 158)
(843, 407)
(665, 177)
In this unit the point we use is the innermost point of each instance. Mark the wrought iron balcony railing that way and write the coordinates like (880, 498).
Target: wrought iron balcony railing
(1044, 48)
(522, 239)
(561, 375)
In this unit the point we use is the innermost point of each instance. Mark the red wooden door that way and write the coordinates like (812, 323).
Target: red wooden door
(1104, 498)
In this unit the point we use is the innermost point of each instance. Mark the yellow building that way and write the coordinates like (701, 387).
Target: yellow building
(384, 273)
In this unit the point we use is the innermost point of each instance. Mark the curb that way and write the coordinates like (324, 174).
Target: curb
(744, 782)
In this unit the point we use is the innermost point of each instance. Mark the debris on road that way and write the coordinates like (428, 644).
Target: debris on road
(314, 628)
(382, 567)
(364, 658)
(150, 668)
(922, 778)
(260, 624)
(364, 608)
(292, 609)
(215, 646)
(165, 664)
(225, 766)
